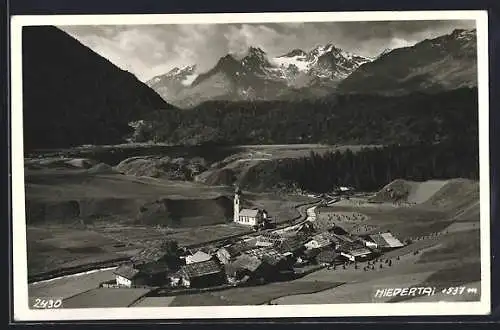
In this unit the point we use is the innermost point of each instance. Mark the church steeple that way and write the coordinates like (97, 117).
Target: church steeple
(236, 204)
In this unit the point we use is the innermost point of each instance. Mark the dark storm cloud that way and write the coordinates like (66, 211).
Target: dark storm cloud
(148, 50)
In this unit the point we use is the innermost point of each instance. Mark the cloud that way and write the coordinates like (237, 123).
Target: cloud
(149, 50)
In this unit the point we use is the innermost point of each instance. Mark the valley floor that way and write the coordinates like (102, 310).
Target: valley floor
(77, 221)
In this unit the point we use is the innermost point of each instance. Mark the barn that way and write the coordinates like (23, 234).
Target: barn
(202, 274)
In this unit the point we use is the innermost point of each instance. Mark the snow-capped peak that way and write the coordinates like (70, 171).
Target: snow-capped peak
(294, 52)
(184, 75)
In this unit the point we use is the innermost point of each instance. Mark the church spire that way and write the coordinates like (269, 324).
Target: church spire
(236, 204)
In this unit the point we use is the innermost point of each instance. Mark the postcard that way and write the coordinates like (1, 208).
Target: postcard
(245, 165)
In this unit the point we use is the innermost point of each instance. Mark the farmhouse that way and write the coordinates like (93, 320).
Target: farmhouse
(127, 276)
(268, 255)
(202, 274)
(321, 240)
(327, 257)
(292, 244)
(248, 217)
(154, 273)
(227, 254)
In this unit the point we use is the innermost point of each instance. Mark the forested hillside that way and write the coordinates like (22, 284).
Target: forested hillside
(371, 169)
(343, 119)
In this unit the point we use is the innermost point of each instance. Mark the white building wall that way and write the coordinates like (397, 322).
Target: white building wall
(120, 280)
(236, 207)
(249, 221)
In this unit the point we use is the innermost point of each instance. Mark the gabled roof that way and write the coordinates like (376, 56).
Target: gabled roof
(326, 256)
(269, 255)
(199, 256)
(247, 262)
(238, 248)
(290, 244)
(386, 240)
(323, 239)
(126, 271)
(201, 268)
(249, 212)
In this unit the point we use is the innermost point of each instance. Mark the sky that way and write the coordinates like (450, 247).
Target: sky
(150, 50)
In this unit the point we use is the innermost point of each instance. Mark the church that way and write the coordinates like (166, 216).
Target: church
(249, 217)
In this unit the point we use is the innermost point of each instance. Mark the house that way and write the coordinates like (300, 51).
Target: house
(292, 244)
(127, 276)
(154, 273)
(248, 217)
(227, 254)
(202, 274)
(154, 253)
(327, 257)
(385, 241)
(356, 253)
(319, 241)
(310, 254)
(199, 256)
(268, 267)
(269, 256)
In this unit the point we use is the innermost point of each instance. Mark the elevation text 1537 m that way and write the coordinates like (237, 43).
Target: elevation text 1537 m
(424, 291)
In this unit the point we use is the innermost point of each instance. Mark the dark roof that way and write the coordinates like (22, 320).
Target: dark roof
(154, 268)
(326, 256)
(201, 268)
(238, 248)
(126, 271)
(324, 238)
(245, 261)
(311, 253)
(270, 256)
(290, 244)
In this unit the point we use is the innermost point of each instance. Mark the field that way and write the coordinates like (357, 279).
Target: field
(69, 286)
(256, 295)
(77, 218)
(445, 248)
(105, 298)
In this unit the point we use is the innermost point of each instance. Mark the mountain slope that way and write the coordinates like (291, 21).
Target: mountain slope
(73, 96)
(444, 63)
(341, 119)
(258, 77)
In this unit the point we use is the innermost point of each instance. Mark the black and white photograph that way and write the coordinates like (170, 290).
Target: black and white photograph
(250, 165)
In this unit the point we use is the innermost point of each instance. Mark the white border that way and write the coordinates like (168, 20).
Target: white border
(23, 313)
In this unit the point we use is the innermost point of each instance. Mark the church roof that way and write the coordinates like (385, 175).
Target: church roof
(248, 212)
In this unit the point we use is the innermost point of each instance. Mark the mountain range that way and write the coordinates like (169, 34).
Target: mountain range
(73, 96)
(432, 65)
(255, 76)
